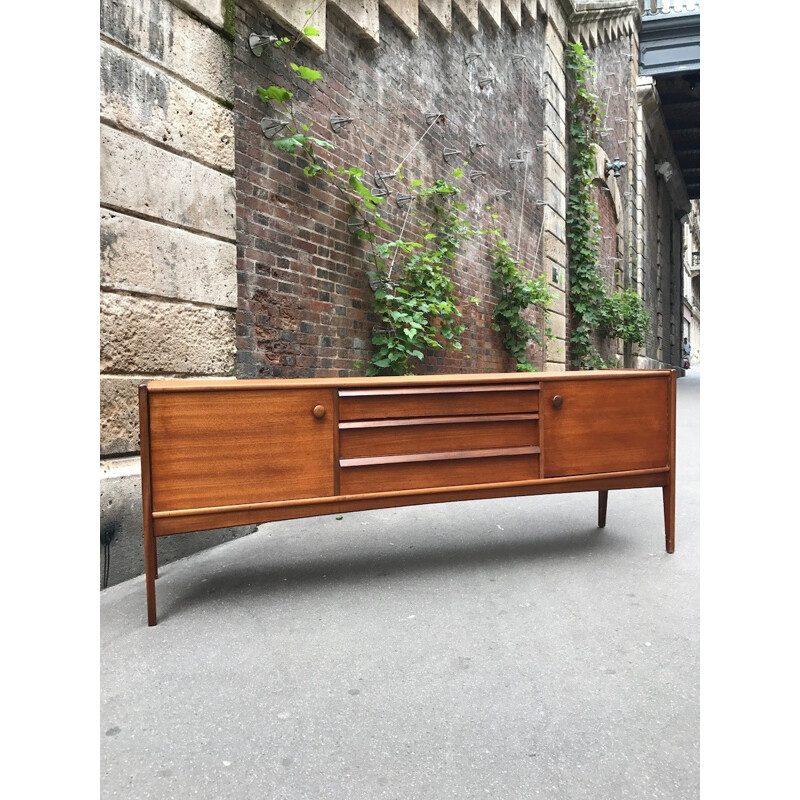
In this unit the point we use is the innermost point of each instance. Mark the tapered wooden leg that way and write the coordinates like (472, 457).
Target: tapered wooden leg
(669, 516)
(150, 569)
(602, 505)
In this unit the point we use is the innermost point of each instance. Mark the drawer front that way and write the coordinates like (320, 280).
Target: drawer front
(432, 434)
(430, 474)
(444, 401)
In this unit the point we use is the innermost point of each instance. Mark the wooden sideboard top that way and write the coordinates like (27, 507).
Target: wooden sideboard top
(194, 384)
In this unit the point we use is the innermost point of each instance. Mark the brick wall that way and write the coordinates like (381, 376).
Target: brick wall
(304, 299)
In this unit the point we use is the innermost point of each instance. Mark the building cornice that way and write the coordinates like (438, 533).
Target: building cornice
(600, 21)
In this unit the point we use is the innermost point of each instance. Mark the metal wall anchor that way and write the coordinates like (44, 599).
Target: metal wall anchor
(356, 223)
(380, 177)
(486, 80)
(270, 127)
(449, 152)
(258, 42)
(338, 122)
(499, 193)
(470, 58)
(513, 161)
(475, 144)
(517, 57)
(434, 116)
(476, 173)
(403, 199)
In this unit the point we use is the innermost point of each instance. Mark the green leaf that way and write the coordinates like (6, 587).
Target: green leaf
(310, 30)
(275, 93)
(289, 143)
(321, 142)
(306, 73)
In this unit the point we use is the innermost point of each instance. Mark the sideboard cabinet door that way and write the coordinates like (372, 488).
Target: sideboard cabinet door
(604, 425)
(223, 448)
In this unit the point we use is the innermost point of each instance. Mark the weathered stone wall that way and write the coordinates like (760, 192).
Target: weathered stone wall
(167, 231)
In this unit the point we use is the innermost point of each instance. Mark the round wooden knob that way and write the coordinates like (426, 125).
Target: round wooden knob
(319, 412)
(558, 401)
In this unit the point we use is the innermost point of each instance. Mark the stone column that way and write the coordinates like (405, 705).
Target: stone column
(167, 226)
(555, 183)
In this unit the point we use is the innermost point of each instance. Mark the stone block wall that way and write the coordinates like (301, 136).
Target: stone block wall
(167, 232)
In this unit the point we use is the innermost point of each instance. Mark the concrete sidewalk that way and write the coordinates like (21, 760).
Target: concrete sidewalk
(501, 649)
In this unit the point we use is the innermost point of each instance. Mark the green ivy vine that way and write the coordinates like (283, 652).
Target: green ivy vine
(623, 316)
(620, 314)
(517, 293)
(586, 290)
(421, 308)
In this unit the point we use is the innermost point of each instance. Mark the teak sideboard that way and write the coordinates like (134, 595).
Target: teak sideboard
(219, 453)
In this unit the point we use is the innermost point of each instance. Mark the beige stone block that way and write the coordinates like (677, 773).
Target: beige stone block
(555, 117)
(529, 6)
(514, 10)
(555, 249)
(364, 15)
(554, 169)
(557, 347)
(558, 324)
(137, 255)
(119, 415)
(292, 15)
(469, 8)
(554, 95)
(154, 337)
(211, 10)
(555, 34)
(554, 149)
(492, 9)
(554, 223)
(441, 11)
(554, 196)
(554, 62)
(166, 35)
(142, 98)
(406, 12)
(136, 175)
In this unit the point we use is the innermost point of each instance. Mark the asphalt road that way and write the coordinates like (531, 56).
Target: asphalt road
(487, 649)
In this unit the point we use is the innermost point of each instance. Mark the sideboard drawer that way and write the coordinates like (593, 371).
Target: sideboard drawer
(396, 473)
(436, 434)
(364, 404)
